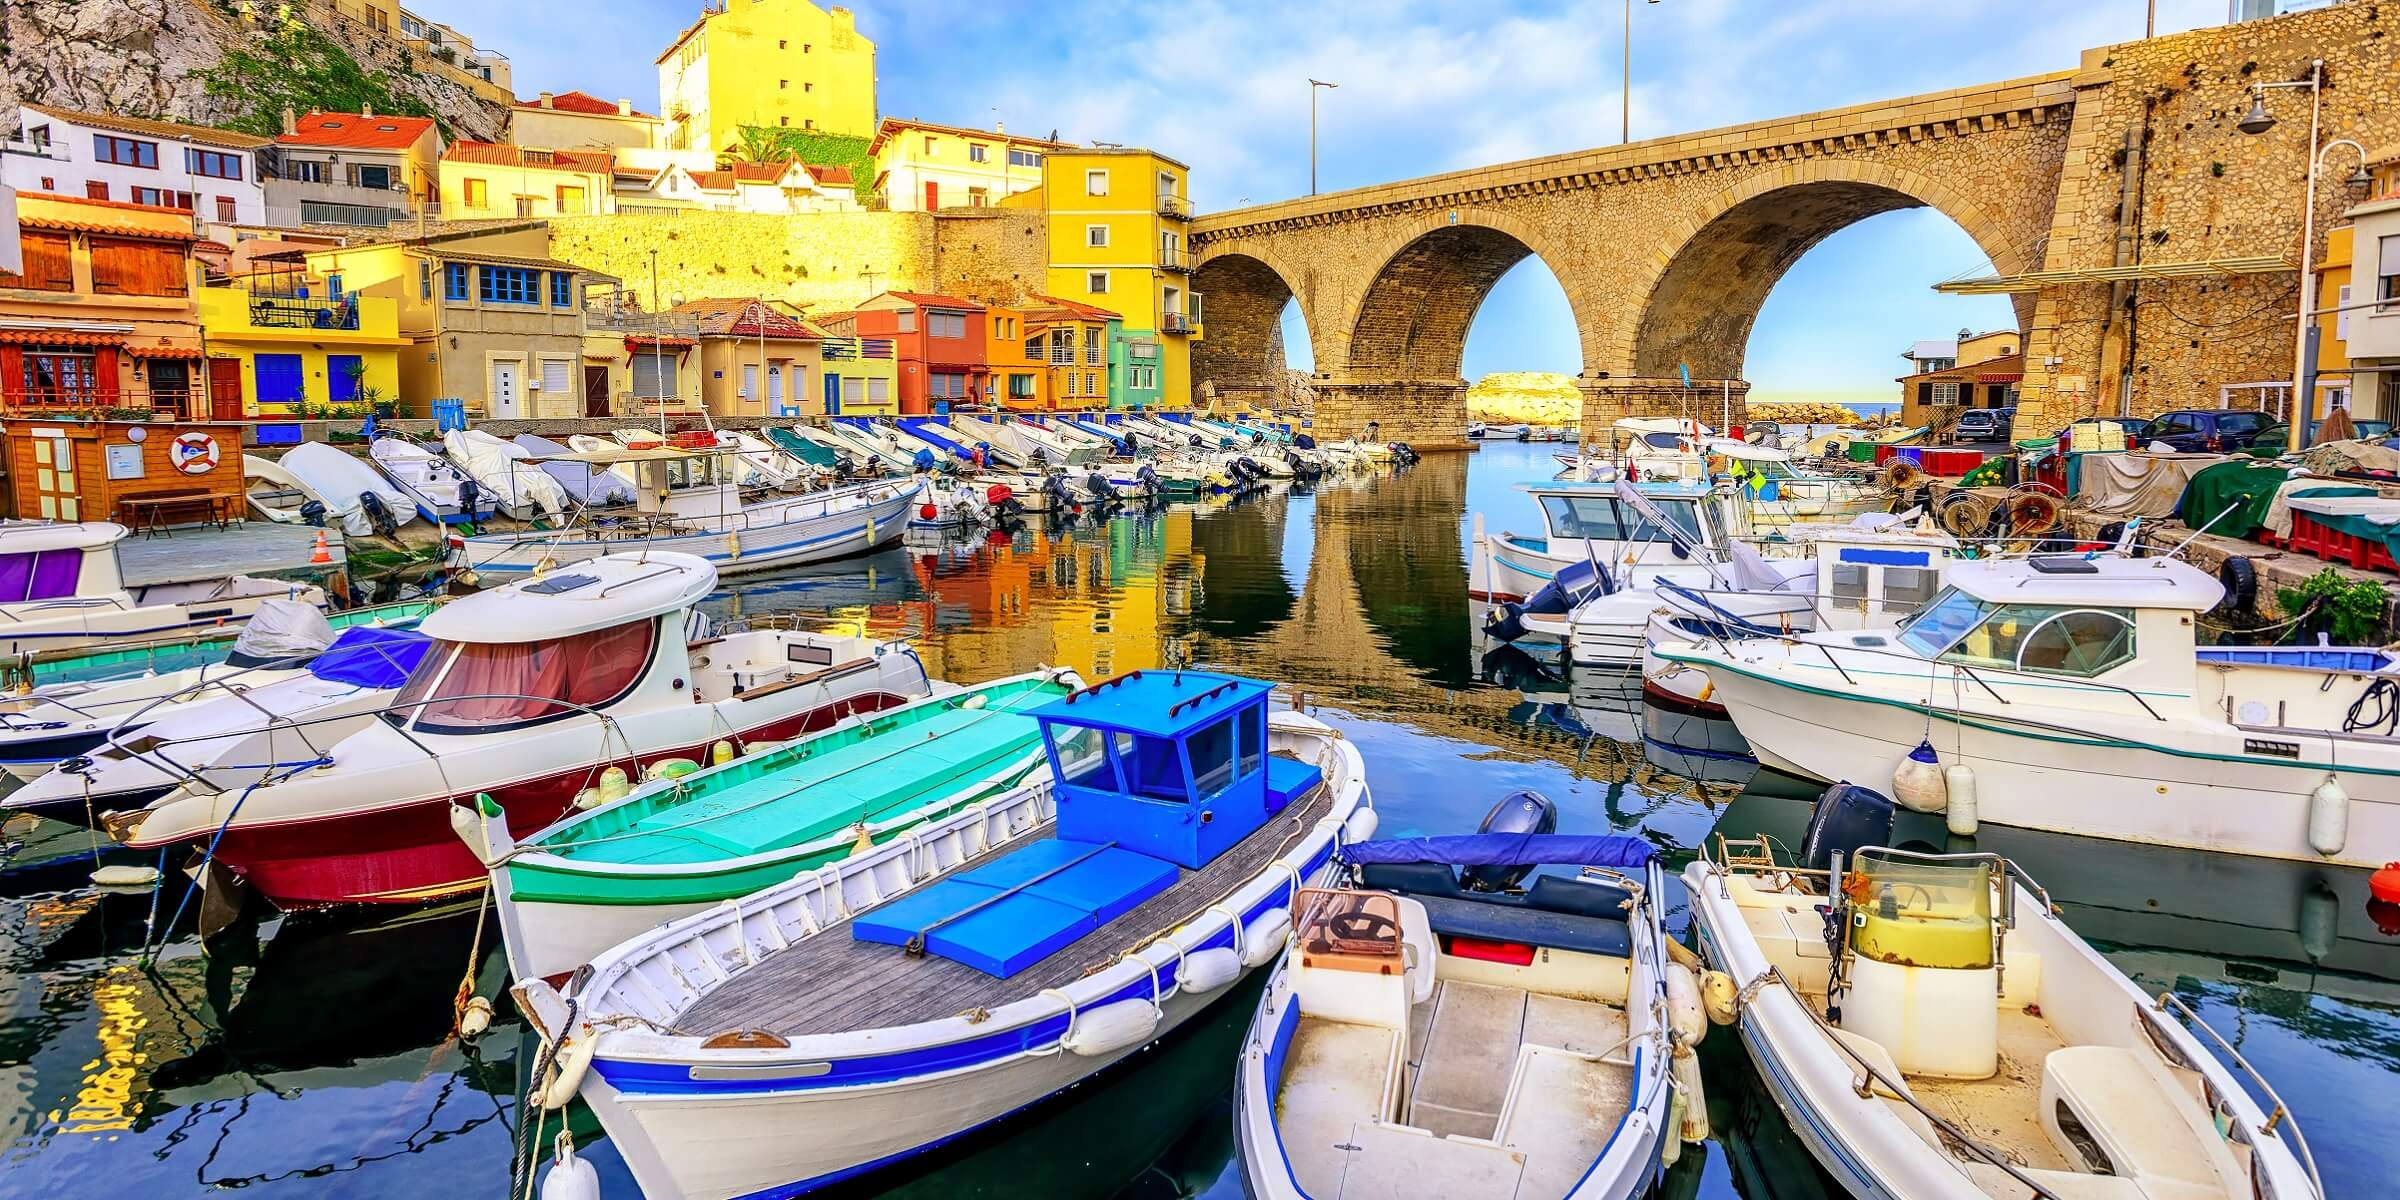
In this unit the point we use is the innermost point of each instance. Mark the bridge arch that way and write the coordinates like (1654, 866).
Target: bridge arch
(1242, 356)
(1729, 252)
(1409, 319)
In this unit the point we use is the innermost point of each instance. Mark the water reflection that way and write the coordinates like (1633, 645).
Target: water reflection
(313, 1055)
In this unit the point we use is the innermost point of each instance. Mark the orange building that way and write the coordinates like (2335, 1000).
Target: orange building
(102, 312)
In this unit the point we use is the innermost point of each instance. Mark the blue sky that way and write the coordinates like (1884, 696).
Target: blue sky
(1435, 86)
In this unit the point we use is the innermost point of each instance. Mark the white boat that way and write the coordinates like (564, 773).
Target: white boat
(61, 586)
(430, 482)
(1433, 1035)
(1933, 1031)
(2070, 693)
(363, 499)
(529, 694)
(588, 486)
(1049, 933)
(232, 737)
(1588, 522)
(521, 490)
(713, 522)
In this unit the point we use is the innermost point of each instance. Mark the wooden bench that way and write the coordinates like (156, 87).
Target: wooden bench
(152, 513)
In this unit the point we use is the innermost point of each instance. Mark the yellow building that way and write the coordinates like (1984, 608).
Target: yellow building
(300, 344)
(776, 63)
(482, 181)
(1120, 239)
(756, 358)
(921, 166)
(1070, 342)
(582, 121)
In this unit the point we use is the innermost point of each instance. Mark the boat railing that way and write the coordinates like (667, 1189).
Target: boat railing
(2173, 1005)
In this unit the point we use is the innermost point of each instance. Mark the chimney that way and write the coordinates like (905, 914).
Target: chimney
(624, 107)
(291, 122)
(367, 111)
(546, 99)
(999, 127)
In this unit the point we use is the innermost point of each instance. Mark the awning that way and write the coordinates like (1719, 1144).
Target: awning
(2001, 377)
(58, 337)
(638, 341)
(102, 227)
(2034, 281)
(187, 353)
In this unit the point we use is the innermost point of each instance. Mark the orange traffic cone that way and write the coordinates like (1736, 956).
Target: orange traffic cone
(321, 554)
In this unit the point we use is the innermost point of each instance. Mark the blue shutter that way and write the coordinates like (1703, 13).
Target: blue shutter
(279, 378)
(341, 376)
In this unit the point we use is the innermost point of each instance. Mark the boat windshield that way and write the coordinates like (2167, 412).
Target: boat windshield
(478, 686)
(39, 575)
(1602, 519)
(1937, 625)
(2048, 638)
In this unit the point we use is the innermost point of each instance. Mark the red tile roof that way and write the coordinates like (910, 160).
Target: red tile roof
(759, 172)
(494, 154)
(159, 129)
(714, 181)
(1069, 309)
(353, 131)
(833, 175)
(579, 102)
(931, 300)
(99, 222)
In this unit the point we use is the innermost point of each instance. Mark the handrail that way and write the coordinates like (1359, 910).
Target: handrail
(1970, 673)
(2169, 1002)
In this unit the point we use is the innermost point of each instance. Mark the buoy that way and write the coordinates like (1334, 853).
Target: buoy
(1205, 971)
(125, 875)
(1361, 826)
(1959, 784)
(671, 768)
(475, 1018)
(566, 1070)
(614, 784)
(1263, 938)
(1685, 1013)
(1720, 997)
(320, 554)
(733, 544)
(569, 1177)
(2328, 818)
(2384, 884)
(587, 799)
(1686, 1070)
(720, 753)
(468, 825)
(1917, 781)
(976, 701)
(1111, 1027)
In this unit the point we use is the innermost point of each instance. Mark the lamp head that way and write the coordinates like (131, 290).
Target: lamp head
(2359, 180)
(2256, 121)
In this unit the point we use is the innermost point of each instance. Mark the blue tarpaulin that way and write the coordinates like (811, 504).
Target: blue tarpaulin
(1505, 850)
(370, 657)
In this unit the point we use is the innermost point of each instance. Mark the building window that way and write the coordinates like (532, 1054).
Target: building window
(1141, 378)
(129, 267)
(125, 152)
(854, 390)
(1096, 282)
(562, 289)
(525, 205)
(377, 177)
(425, 280)
(454, 281)
(946, 325)
(810, 123)
(162, 198)
(212, 163)
(1020, 386)
(904, 321)
(1033, 348)
(785, 122)
(48, 264)
(1094, 353)
(306, 170)
(570, 200)
(978, 152)
(1024, 158)
(653, 376)
(929, 146)
(782, 44)
(808, 87)
(2387, 271)
(225, 208)
(783, 85)
(511, 285)
(946, 385)
(333, 285)
(54, 377)
(477, 193)
(1170, 301)
(1945, 393)
(1095, 236)
(96, 189)
(1166, 184)
(879, 391)
(1095, 183)
(1091, 383)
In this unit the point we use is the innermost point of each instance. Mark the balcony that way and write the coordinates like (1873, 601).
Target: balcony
(268, 308)
(1174, 323)
(21, 142)
(1174, 206)
(851, 349)
(1175, 259)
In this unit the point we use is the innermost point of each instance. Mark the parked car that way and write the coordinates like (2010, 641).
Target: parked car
(1986, 424)
(2275, 437)
(2206, 430)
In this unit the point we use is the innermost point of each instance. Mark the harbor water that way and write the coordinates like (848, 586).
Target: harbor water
(310, 1055)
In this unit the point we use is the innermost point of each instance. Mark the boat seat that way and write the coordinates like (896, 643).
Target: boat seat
(1458, 1091)
(2126, 1113)
(1392, 1160)
(1288, 779)
(1567, 1110)
(1334, 1079)
(1504, 923)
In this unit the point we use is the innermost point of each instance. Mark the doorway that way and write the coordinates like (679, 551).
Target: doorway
(504, 390)
(171, 386)
(225, 389)
(595, 391)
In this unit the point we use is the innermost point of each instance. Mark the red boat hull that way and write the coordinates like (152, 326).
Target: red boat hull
(408, 853)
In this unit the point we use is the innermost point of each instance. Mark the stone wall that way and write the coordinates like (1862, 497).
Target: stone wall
(2205, 190)
(820, 261)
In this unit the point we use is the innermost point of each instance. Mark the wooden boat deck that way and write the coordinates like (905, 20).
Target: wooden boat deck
(833, 983)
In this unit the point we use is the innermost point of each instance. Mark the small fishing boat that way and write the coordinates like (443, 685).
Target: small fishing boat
(234, 738)
(1935, 1032)
(529, 693)
(353, 493)
(519, 489)
(675, 846)
(2066, 692)
(1438, 1029)
(902, 996)
(435, 485)
(1586, 522)
(61, 587)
(713, 522)
(50, 671)
(587, 486)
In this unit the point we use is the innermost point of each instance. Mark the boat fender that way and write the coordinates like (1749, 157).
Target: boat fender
(1671, 1149)
(763, 746)
(569, 1177)
(1683, 955)
(978, 700)
(1362, 825)
(2328, 818)
(1205, 971)
(1263, 938)
(1959, 783)
(123, 875)
(2384, 884)
(1111, 1027)
(1686, 1070)
(1720, 997)
(720, 753)
(614, 784)
(2240, 577)
(587, 799)
(672, 768)
(1685, 1012)
(474, 1018)
(1917, 781)
(567, 1069)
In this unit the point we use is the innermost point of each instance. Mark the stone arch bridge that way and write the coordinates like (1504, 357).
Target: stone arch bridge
(1666, 249)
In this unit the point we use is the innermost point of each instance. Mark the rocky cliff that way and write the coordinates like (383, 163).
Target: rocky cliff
(151, 58)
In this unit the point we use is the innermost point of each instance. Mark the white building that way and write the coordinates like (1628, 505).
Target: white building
(211, 172)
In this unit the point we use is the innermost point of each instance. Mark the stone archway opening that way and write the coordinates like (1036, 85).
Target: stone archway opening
(1243, 360)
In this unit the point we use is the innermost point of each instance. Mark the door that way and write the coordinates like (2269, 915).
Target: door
(504, 391)
(279, 380)
(595, 391)
(833, 394)
(171, 386)
(933, 195)
(345, 374)
(774, 388)
(225, 389)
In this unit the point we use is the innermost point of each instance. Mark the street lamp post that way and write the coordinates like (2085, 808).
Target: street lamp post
(1626, 132)
(1313, 85)
(2258, 121)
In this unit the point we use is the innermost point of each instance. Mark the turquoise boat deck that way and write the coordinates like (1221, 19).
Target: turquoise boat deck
(894, 763)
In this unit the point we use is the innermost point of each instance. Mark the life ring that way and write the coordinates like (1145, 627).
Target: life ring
(193, 453)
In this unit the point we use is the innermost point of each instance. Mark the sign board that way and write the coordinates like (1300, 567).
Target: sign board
(124, 461)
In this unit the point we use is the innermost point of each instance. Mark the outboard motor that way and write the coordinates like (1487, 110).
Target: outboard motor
(1148, 477)
(313, 512)
(1406, 452)
(1518, 812)
(1302, 441)
(1848, 817)
(1097, 484)
(1055, 487)
(379, 515)
(470, 499)
(1574, 584)
(1132, 444)
(923, 460)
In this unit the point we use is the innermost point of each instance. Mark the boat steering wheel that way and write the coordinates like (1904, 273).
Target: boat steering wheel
(1359, 925)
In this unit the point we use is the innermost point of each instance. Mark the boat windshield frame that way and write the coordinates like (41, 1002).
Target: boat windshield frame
(410, 714)
(1693, 526)
(2120, 647)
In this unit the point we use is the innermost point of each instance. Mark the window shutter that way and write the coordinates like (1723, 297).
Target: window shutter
(48, 265)
(123, 267)
(650, 371)
(554, 376)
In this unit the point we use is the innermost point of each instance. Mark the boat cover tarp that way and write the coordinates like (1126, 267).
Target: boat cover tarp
(338, 479)
(1505, 850)
(281, 631)
(801, 448)
(2137, 483)
(586, 485)
(497, 468)
(2232, 499)
(370, 657)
